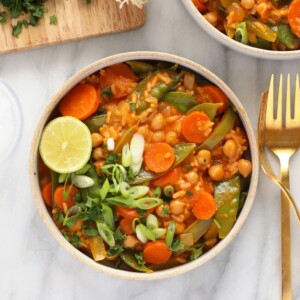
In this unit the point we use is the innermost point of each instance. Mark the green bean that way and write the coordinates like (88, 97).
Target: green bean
(168, 191)
(128, 258)
(94, 123)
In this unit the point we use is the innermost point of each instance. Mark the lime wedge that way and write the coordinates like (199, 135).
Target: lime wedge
(65, 145)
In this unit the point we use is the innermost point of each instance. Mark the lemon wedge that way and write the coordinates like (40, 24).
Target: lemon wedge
(65, 145)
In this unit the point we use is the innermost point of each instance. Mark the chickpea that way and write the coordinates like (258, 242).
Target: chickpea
(245, 167)
(177, 207)
(97, 153)
(158, 136)
(204, 157)
(180, 227)
(130, 241)
(192, 177)
(97, 139)
(216, 172)
(163, 210)
(230, 148)
(248, 4)
(158, 122)
(171, 138)
(212, 18)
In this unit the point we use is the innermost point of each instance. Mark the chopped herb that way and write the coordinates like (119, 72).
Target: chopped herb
(91, 232)
(75, 240)
(165, 212)
(111, 158)
(59, 216)
(187, 167)
(53, 20)
(101, 111)
(77, 197)
(107, 92)
(2, 17)
(18, 28)
(119, 236)
(189, 194)
(118, 263)
(196, 252)
(70, 221)
(132, 106)
(177, 245)
(116, 250)
(139, 258)
(141, 211)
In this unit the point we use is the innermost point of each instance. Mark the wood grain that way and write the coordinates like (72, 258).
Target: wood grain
(76, 20)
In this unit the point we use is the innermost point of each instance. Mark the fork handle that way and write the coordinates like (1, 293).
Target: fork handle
(285, 231)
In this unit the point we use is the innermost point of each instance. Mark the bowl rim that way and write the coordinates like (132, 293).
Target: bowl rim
(88, 70)
(234, 45)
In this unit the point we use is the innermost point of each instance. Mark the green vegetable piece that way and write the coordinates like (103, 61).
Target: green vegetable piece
(241, 33)
(121, 201)
(182, 101)
(152, 222)
(129, 259)
(182, 151)
(106, 233)
(94, 191)
(91, 232)
(209, 109)
(139, 67)
(126, 156)
(138, 191)
(168, 191)
(108, 216)
(170, 233)
(147, 203)
(227, 194)
(83, 170)
(62, 177)
(198, 228)
(94, 123)
(124, 189)
(54, 180)
(125, 139)
(285, 35)
(220, 130)
(146, 232)
(159, 232)
(157, 192)
(104, 190)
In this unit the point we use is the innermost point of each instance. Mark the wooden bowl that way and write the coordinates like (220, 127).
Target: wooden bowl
(90, 70)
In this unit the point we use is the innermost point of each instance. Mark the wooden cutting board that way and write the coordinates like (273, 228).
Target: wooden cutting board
(76, 20)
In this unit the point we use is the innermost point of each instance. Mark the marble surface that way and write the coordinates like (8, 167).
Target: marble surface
(33, 265)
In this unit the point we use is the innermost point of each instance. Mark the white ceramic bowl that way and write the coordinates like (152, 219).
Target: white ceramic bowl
(88, 71)
(224, 39)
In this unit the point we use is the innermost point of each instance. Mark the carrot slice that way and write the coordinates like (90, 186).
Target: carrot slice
(196, 127)
(168, 179)
(204, 205)
(157, 252)
(81, 102)
(159, 157)
(293, 17)
(126, 225)
(211, 93)
(130, 213)
(47, 193)
(59, 199)
(199, 5)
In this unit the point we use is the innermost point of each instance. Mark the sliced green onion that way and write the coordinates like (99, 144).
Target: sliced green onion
(121, 201)
(108, 216)
(62, 177)
(241, 33)
(169, 191)
(159, 232)
(145, 233)
(152, 221)
(147, 203)
(106, 233)
(126, 156)
(141, 237)
(124, 189)
(83, 181)
(157, 192)
(104, 189)
(138, 191)
(133, 224)
(83, 170)
(170, 233)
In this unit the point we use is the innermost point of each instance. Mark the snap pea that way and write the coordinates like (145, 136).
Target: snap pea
(209, 109)
(285, 35)
(125, 139)
(139, 67)
(94, 123)
(227, 194)
(182, 101)
(182, 151)
(220, 130)
(128, 258)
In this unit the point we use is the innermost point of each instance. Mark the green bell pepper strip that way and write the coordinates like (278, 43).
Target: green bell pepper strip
(182, 101)
(125, 139)
(260, 29)
(209, 109)
(220, 130)
(241, 33)
(227, 195)
(182, 151)
(94, 123)
(139, 67)
(54, 180)
(128, 258)
(285, 35)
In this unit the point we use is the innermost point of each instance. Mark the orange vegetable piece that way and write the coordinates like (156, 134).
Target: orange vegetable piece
(81, 102)
(199, 5)
(47, 193)
(204, 205)
(168, 179)
(211, 93)
(130, 213)
(157, 252)
(159, 157)
(59, 199)
(194, 127)
(126, 225)
(293, 17)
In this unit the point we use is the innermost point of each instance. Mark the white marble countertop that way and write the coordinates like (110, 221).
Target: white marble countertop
(33, 265)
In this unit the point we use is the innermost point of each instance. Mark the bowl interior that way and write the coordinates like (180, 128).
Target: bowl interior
(152, 56)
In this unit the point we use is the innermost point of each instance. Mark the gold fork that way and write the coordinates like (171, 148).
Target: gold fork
(282, 137)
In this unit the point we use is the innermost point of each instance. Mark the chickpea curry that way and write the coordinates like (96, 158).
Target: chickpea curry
(167, 170)
(266, 24)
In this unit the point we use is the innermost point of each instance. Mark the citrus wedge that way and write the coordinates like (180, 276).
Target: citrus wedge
(65, 145)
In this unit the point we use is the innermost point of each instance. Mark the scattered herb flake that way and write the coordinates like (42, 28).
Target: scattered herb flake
(119, 236)
(189, 193)
(139, 258)
(116, 250)
(107, 92)
(2, 17)
(111, 158)
(132, 106)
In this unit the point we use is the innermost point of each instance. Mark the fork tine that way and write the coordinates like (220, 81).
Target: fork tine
(288, 115)
(297, 100)
(279, 104)
(270, 104)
